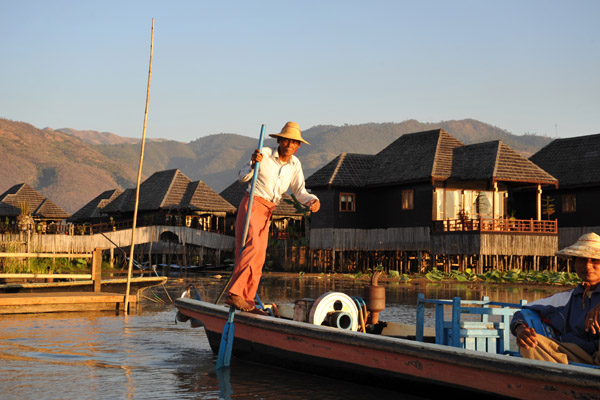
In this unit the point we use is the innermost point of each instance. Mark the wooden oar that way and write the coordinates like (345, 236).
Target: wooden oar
(224, 356)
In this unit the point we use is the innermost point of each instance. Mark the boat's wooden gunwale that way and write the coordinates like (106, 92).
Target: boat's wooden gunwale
(515, 366)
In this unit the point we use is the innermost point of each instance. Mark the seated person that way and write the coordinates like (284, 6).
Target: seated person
(574, 315)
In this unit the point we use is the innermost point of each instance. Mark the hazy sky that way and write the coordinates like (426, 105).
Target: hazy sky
(230, 66)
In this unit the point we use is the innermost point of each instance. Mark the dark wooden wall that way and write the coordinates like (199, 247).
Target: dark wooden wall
(375, 208)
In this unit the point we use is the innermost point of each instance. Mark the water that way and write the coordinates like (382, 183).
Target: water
(148, 355)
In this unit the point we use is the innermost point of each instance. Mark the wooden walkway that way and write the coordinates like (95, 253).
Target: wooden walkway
(24, 303)
(61, 243)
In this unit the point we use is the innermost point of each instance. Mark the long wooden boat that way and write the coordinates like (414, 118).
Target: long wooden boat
(394, 362)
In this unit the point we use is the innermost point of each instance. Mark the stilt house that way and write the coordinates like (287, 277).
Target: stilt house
(93, 212)
(23, 207)
(429, 200)
(575, 162)
(171, 198)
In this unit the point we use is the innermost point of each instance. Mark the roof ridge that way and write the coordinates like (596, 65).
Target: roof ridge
(437, 149)
(498, 146)
(444, 138)
(337, 168)
(176, 174)
(39, 206)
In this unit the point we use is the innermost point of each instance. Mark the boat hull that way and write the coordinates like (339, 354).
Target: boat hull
(393, 363)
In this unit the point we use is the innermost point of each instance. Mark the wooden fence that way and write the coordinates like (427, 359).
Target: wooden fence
(122, 238)
(95, 275)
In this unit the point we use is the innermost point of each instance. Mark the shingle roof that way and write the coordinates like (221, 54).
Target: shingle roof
(93, 209)
(573, 161)
(163, 189)
(237, 190)
(200, 197)
(346, 170)
(496, 161)
(234, 193)
(415, 157)
(118, 204)
(170, 189)
(426, 156)
(39, 206)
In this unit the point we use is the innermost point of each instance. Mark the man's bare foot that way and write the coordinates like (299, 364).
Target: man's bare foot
(237, 302)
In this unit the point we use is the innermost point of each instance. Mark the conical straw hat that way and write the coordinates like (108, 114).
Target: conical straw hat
(587, 246)
(291, 130)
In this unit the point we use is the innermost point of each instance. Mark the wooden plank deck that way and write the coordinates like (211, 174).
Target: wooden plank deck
(74, 245)
(23, 303)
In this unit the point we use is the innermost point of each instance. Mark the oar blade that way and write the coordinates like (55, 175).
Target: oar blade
(229, 346)
(226, 345)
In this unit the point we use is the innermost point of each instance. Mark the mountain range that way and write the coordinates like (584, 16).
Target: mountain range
(72, 167)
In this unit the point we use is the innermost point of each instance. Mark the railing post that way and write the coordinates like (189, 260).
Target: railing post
(531, 225)
(97, 270)
(420, 317)
(456, 305)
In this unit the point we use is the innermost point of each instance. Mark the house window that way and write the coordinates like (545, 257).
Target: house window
(569, 203)
(347, 202)
(408, 198)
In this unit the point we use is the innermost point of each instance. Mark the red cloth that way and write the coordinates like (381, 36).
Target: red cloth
(248, 266)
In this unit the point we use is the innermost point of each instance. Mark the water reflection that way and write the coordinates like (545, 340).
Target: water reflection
(150, 355)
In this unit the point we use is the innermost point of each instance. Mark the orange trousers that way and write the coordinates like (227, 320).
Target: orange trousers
(248, 265)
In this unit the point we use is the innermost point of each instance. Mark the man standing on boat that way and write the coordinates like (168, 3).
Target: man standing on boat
(279, 170)
(574, 315)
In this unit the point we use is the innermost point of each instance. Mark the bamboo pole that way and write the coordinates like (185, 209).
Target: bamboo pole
(139, 178)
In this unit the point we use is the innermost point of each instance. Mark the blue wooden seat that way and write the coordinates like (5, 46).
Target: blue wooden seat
(533, 320)
(482, 334)
(478, 332)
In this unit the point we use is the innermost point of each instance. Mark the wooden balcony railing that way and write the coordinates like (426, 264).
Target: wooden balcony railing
(496, 225)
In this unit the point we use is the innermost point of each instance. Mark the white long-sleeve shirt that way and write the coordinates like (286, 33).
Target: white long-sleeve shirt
(275, 177)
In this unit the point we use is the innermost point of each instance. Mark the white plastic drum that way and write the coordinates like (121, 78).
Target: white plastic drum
(333, 302)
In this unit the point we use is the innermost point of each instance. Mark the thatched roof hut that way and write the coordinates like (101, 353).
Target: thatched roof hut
(347, 170)
(94, 210)
(23, 195)
(170, 190)
(575, 162)
(430, 156)
(495, 161)
(414, 157)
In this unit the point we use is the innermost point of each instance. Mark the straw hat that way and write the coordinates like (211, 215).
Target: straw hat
(588, 246)
(291, 130)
